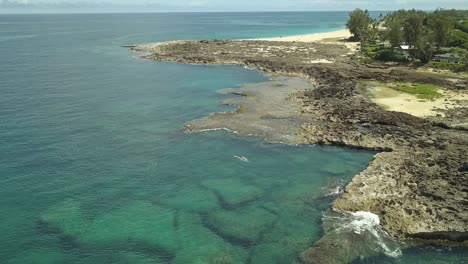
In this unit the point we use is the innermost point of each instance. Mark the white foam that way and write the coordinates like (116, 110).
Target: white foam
(241, 158)
(363, 221)
(337, 190)
(321, 61)
(214, 129)
(367, 223)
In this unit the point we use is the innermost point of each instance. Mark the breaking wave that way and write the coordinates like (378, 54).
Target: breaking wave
(367, 226)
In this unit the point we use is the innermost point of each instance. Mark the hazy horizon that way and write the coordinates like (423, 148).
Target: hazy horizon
(161, 6)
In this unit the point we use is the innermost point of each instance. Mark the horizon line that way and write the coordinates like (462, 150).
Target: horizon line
(175, 12)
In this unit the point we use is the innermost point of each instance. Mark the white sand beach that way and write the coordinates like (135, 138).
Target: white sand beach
(315, 37)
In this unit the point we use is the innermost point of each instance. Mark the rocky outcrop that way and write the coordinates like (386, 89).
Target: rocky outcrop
(417, 185)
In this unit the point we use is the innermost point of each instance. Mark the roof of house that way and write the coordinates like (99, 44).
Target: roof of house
(405, 47)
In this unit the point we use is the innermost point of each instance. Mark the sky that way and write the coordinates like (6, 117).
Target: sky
(52, 6)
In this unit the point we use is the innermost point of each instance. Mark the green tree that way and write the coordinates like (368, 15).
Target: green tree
(413, 30)
(442, 27)
(424, 52)
(458, 39)
(360, 24)
(462, 53)
(358, 21)
(394, 32)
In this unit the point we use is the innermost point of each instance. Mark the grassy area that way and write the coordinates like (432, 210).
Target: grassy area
(422, 91)
(446, 73)
(448, 66)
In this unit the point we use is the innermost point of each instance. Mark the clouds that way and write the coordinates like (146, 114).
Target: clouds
(230, 5)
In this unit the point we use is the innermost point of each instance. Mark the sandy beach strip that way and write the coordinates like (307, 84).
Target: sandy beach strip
(394, 100)
(315, 37)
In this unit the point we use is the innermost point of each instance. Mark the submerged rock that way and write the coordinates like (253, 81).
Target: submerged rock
(274, 253)
(141, 222)
(38, 256)
(116, 257)
(222, 253)
(232, 191)
(293, 228)
(178, 234)
(245, 225)
(200, 245)
(297, 194)
(66, 217)
(192, 200)
(133, 258)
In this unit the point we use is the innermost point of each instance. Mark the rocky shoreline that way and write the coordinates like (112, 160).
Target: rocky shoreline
(417, 184)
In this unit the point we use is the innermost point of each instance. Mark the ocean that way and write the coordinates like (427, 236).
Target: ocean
(95, 167)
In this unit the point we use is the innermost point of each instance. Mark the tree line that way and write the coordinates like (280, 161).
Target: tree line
(425, 33)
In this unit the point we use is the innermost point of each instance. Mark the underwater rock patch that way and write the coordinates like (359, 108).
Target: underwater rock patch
(300, 192)
(133, 258)
(200, 245)
(140, 222)
(273, 253)
(39, 256)
(122, 258)
(245, 225)
(192, 200)
(179, 234)
(65, 217)
(267, 182)
(115, 257)
(293, 230)
(233, 191)
(211, 253)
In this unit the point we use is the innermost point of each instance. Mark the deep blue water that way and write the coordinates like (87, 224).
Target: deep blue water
(94, 167)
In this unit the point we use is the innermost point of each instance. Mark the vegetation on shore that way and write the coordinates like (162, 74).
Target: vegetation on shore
(439, 37)
(422, 91)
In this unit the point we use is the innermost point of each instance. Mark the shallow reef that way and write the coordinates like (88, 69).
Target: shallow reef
(262, 218)
(416, 185)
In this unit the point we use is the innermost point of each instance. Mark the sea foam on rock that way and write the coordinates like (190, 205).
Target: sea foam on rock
(348, 236)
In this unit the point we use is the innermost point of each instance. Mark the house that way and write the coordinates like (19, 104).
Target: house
(447, 57)
(381, 27)
(385, 44)
(405, 47)
(405, 50)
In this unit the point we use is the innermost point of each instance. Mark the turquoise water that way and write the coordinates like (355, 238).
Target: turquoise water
(94, 167)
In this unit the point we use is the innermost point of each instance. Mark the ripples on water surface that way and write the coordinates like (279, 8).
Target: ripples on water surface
(94, 167)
